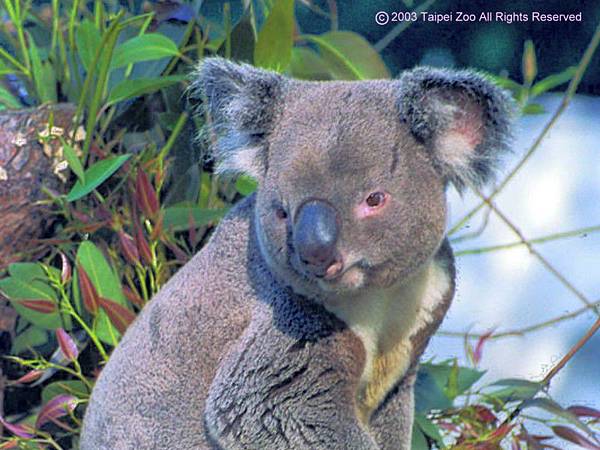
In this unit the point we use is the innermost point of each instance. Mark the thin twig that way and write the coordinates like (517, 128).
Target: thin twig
(534, 252)
(518, 332)
(563, 362)
(570, 92)
(540, 240)
(475, 233)
(557, 367)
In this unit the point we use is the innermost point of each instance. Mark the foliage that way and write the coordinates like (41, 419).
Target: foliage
(141, 201)
(451, 412)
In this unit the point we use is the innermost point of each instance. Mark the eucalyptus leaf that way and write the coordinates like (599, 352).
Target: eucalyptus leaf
(447, 374)
(134, 88)
(95, 175)
(178, 218)
(27, 271)
(44, 91)
(49, 82)
(146, 47)
(21, 291)
(512, 389)
(7, 99)
(533, 108)
(245, 185)
(349, 56)
(418, 442)
(554, 408)
(428, 393)
(243, 39)
(74, 162)
(33, 336)
(308, 65)
(429, 428)
(76, 388)
(4, 69)
(88, 40)
(275, 40)
(107, 284)
(552, 81)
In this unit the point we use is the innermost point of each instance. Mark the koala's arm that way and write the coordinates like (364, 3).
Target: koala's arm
(277, 391)
(391, 425)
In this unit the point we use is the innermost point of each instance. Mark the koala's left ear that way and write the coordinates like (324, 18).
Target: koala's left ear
(461, 117)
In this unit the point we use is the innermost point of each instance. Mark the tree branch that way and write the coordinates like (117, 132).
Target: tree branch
(517, 332)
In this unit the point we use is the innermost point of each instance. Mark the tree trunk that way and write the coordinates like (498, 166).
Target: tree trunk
(30, 160)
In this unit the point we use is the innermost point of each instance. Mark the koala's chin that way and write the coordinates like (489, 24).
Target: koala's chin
(350, 280)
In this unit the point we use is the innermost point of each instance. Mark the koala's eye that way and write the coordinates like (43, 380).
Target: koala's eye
(280, 213)
(376, 199)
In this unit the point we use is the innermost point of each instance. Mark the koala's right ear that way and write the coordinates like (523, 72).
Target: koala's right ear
(240, 102)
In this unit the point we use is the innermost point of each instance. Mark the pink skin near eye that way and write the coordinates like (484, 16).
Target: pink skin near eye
(373, 204)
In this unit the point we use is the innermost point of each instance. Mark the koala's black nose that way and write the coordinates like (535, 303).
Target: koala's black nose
(315, 234)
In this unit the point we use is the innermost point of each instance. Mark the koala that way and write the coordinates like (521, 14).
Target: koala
(300, 324)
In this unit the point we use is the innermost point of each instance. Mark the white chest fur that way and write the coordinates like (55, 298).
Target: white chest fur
(385, 321)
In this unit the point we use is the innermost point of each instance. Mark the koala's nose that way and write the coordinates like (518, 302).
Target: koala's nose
(315, 235)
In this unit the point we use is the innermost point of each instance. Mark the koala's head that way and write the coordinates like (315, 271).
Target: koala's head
(352, 175)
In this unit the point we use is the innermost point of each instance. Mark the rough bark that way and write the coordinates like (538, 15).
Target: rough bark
(30, 160)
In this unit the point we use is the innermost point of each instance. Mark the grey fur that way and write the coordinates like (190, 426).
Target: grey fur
(244, 349)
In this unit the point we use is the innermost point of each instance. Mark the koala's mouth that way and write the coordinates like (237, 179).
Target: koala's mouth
(350, 277)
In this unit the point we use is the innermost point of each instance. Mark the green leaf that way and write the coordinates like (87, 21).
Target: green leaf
(349, 56)
(108, 285)
(77, 388)
(419, 442)
(552, 81)
(43, 91)
(30, 338)
(451, 388)
(554, 408)
(88, 40)
(275, 40)
(95, 175)
(18, 289)
(432, 387)
(146, 47)
(4, 69)
(529, 63)
(243, 39)
(245, 185)
(49, 82)
(133, 88)
(73, 160)
(506, 83)
(308, 65)
(429, 428)
(177, 218)
(429, 394)
(7, 99)
(533, 108)
(465, 378)
(515, 389)
(27, 271)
